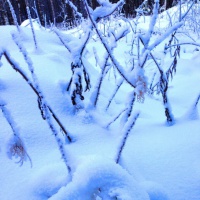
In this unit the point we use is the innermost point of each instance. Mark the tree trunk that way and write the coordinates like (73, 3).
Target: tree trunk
(41, 13)
(53, 12)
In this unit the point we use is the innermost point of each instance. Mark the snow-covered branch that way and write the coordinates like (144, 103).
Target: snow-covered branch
(104, 10)
(35, 85)
(46, 110)
(163, 84)
(152, 23)
(113, 39)
(108, 49)
(74, 8)
(125, 132)
(32, 28)
(15, 147)
(57, 32)
(165, 35)
(115, 118)
(14, 15)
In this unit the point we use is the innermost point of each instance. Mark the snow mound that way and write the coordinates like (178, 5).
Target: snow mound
(47, 181)
(103, 178)
(26, 23)
(154, 190)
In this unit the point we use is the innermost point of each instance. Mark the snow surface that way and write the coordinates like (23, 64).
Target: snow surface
(158, 162)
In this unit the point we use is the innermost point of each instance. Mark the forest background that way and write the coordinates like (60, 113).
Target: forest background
(59, 12)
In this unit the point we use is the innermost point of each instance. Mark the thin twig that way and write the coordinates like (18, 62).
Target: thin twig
(113, 120)
(126, 132)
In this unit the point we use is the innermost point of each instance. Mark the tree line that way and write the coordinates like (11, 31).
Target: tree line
(58, 11)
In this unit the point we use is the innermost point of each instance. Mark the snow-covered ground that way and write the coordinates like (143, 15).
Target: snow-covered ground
(159, 161)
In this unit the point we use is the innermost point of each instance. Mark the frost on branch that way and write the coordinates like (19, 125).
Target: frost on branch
(32, 28)
(154, 17)
(125, 133)
(14, 16)
(112, 40)
(101, 178)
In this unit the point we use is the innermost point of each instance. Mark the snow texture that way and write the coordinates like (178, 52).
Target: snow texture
(101, 177)
(158, 162)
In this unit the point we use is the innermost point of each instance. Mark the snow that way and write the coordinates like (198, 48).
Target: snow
(95, 173)
(27, 24)
(158, 162)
